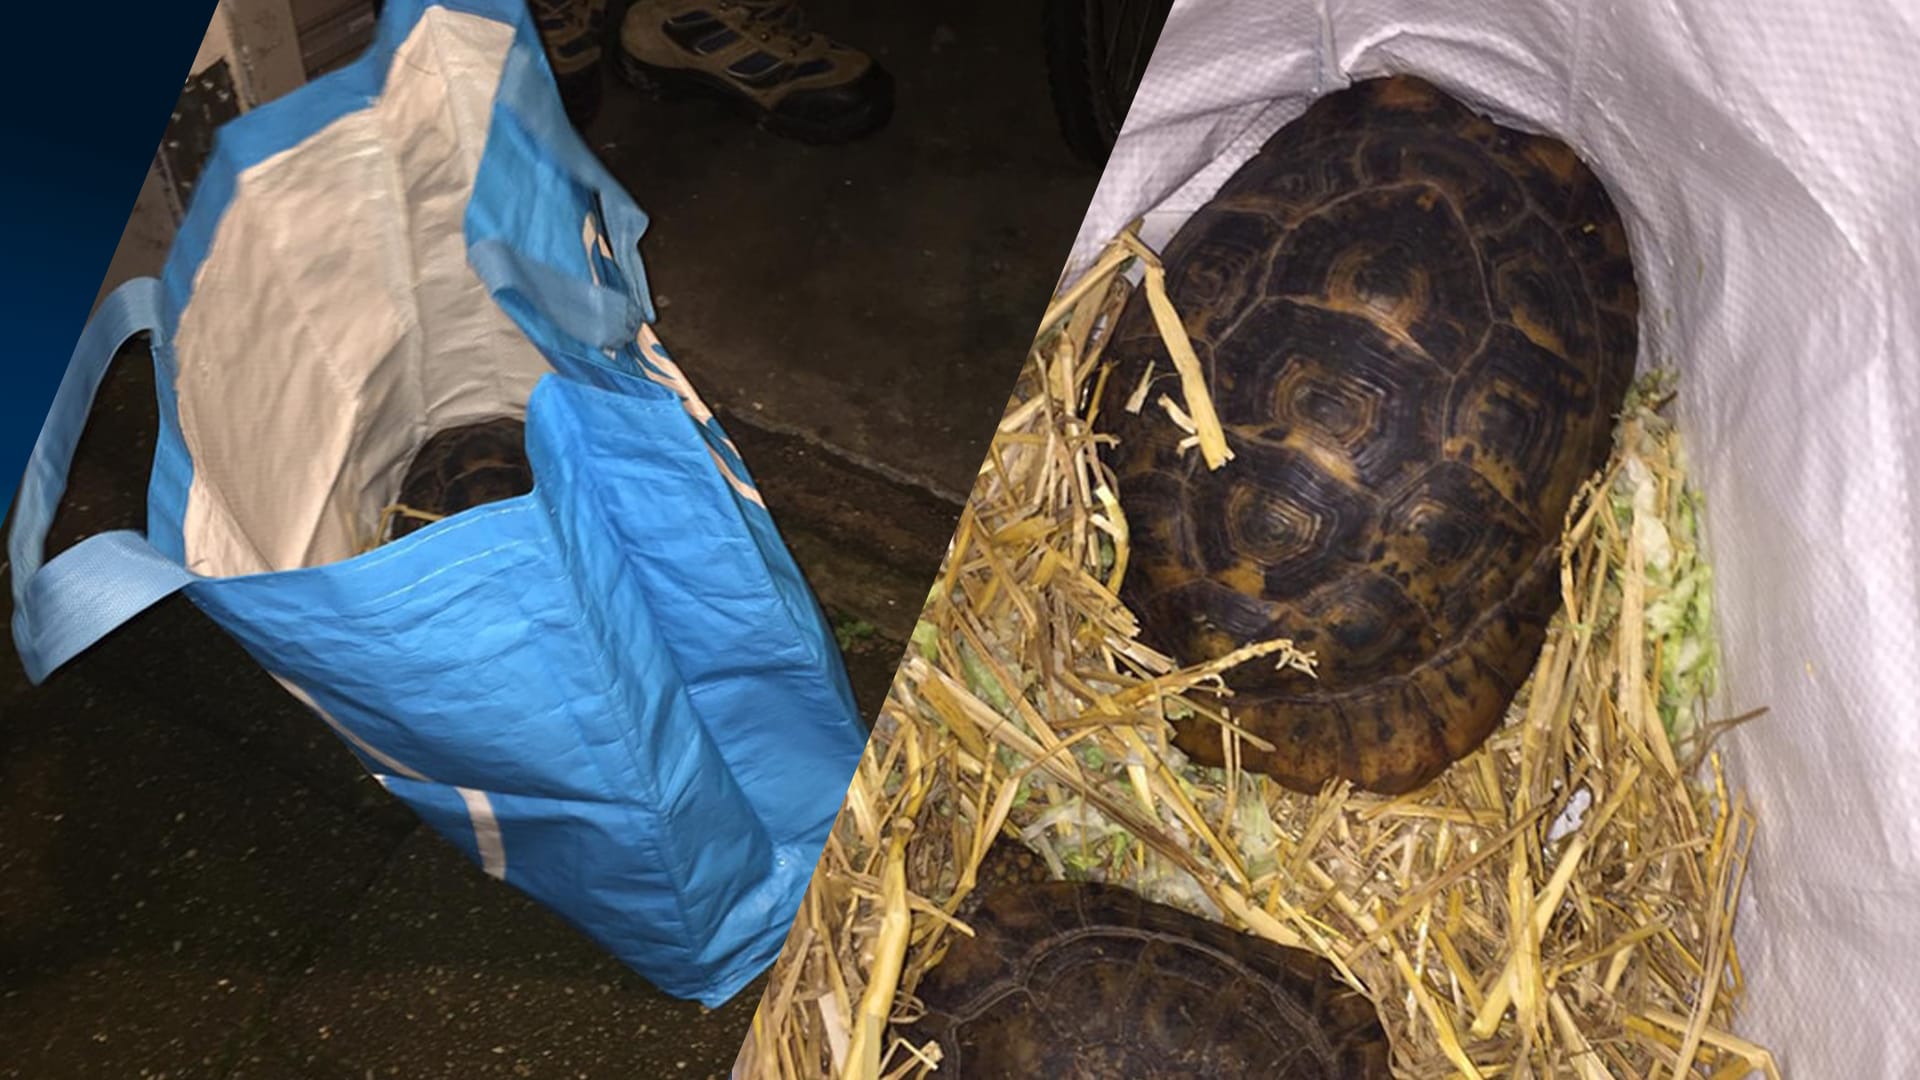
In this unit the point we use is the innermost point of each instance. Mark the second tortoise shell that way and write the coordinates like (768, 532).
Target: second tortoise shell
(1084, 981)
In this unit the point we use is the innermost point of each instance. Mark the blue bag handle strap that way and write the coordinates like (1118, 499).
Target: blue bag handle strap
(546, 120)
(61, 608)
(592, 313)
(602, 317)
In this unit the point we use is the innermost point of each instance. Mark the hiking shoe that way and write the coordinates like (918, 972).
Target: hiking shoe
(571, 32)
(761, 56)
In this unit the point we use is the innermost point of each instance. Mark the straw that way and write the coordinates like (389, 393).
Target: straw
(1559, 903)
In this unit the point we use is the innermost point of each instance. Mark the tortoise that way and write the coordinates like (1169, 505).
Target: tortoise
(463, 467)
(1418, 327)
(1087, 981)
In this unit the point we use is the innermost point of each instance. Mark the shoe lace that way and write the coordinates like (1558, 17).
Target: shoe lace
(771, 18)
(569, 17)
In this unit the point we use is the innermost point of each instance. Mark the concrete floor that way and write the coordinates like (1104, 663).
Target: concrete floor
(196, 880)
(875, 296)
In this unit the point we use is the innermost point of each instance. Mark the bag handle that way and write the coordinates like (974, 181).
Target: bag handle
(61, 608)
(604, 317)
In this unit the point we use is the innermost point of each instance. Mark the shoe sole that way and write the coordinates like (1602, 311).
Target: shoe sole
(670, 84)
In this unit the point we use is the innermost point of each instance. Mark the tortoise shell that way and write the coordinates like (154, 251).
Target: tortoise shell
(1082, 981)
(464, 467)
(1417, 327)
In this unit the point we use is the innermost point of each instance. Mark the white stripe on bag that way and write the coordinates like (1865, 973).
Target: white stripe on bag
(670, 376)
(746, 491)
(486, 833)
(486, 827)
(590, 239)
(361, 744)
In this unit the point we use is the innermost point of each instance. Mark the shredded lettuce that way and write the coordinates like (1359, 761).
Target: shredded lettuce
(1679, 582)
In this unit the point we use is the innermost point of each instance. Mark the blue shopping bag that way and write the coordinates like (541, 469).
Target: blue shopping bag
(617, 692)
